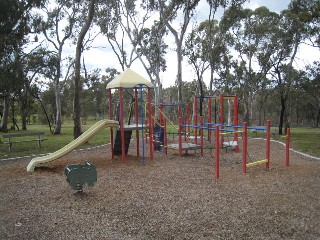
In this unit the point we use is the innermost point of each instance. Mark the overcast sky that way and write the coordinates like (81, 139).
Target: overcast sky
(104, 58)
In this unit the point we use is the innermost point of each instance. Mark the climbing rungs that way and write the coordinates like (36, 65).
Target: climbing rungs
(223, 133)
(257, 163)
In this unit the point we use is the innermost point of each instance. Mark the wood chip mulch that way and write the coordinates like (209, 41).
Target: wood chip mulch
(170, 197)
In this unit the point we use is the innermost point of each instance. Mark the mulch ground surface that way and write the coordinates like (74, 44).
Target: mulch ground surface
(171, 197)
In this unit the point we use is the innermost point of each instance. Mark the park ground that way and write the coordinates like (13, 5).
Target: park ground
(170, 197)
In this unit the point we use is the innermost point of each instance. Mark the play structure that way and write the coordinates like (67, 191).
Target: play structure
(130, 80)
(133, 113)
(120, 144)
(218, 134)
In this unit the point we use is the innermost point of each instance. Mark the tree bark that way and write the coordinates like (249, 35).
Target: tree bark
(24, 113)
(58, 118)
(77, 131)
(5, 115)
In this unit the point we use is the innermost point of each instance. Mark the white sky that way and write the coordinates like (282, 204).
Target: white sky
(104, 57)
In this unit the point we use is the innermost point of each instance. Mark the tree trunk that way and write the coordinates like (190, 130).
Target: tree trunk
(13, 116)
(58, 119)
(45, 112)
(246, 106)
(211, 80)
(201, 94)
(229, 113)
(179, 74)
(5, 115)
(24, 114)
(318, 118)
(77, 131)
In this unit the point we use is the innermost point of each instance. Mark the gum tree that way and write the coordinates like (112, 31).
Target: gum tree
(77, 85)
(58, 23)
(15, 21)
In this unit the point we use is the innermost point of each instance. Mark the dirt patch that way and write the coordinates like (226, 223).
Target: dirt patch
(167, 198)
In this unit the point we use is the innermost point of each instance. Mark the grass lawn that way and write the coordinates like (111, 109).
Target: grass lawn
(302, 139)
(306, 140)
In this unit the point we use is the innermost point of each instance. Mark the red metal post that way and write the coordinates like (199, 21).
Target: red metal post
(165, 141)
(287, 146)
(188, 119)
(137, 120)
(123, 153)
(235, 121)
(244, 151)
(221, 110)
(268, 145)
(150, 124)
(195, 121)
(111, 129)
(201, 134)
(145, 132)
(221, 117)
(209, 118)
(217, 152)
(180, 137)
(152, 127)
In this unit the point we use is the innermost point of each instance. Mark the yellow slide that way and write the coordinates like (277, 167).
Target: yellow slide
(74, 144)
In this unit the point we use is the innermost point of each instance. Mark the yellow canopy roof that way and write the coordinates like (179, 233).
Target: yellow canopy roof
(129, 79)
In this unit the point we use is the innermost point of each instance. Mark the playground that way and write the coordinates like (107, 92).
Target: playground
(167, 198)
(210, 181)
